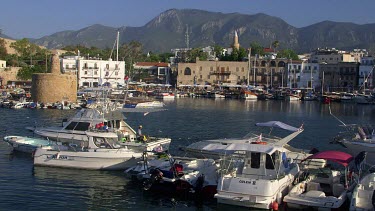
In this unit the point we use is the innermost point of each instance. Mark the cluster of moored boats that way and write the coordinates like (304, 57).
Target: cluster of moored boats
(258, 170)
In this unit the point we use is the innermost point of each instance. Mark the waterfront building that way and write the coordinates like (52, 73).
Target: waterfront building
(331, 56)
(303, 74)
(93, 72)
(342, 76)
(152, 72)
(366, 72)
(260, 71)
(358, 54)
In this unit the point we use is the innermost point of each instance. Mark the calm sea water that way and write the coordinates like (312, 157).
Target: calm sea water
(23, 187)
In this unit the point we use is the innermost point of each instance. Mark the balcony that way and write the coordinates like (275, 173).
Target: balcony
(222, 72)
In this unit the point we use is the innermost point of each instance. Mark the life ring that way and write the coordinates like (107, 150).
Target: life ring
(259, 142)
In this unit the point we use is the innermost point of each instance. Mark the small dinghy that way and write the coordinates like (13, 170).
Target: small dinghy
(26, 144)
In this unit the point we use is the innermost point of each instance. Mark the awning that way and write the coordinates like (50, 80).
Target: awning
(335, 156)
(278, 125)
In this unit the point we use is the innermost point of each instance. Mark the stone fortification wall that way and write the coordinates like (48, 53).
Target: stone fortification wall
(9, 75)
(48, 88)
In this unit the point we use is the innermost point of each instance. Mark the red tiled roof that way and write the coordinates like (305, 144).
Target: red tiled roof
(268, 50)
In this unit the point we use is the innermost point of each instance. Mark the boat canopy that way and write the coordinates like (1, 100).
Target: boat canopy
(278, 124)
(335, 156)
(232, 148)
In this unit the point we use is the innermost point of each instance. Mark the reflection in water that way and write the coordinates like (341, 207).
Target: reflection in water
(186, 120)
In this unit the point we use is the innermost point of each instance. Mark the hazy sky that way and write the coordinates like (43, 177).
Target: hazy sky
(37, 18)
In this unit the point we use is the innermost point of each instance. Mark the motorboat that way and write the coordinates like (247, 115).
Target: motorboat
(200, 150)
(249, 95)
(98, 153)
(165, 95)
(325, 187)
(27, 144)
(143, 104)
(255, 175)
(96, 121)
(357, 138)
(178, 175)
(363, 194)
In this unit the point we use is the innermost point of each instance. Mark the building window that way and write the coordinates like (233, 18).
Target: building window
(116, 73)
(96, 66)
(227, 68)
(67, 66)
(85, 66)
(187, 71)
(242, 69)
(200, 77)
(95, 72)
(200, 68)
(116, 66)
(85, 72)
(237, 69)
(107, 66)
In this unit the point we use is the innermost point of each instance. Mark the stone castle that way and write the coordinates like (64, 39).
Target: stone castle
(54, 86)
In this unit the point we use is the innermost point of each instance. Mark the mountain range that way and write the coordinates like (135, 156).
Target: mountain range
(169, 29)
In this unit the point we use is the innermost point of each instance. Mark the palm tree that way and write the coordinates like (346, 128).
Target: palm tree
(275, 44)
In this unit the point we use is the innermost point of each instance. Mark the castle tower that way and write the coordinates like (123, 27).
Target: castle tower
(236, 45)
(54, 86)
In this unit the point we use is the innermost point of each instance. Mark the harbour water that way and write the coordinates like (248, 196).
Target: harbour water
(187, 120)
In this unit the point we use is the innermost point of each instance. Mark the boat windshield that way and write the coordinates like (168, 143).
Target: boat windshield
(110, 143)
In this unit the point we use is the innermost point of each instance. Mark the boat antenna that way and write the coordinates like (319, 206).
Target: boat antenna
(330, 112)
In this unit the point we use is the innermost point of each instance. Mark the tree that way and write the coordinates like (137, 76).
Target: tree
(131, 53)
(218, 51)
(25, 73)
(197, 52)
(256, 48)
(3, 50)
(287, 53)
(275, 45)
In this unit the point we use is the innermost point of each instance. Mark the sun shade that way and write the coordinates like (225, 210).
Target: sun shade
(278, 125)
(335, 156)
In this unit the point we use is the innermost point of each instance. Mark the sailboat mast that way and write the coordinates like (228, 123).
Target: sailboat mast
(118, 38)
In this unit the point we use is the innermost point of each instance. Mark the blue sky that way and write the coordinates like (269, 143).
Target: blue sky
(37, 18)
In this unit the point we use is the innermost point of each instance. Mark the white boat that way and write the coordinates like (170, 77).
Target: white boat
(363, 194)
(358, 138)
(165, 96)
(255, 175)
(98, 153)
(143, 104)
(198, 149)
(249, 95)
(323, 188)
(292, 97)
(87, 120)
(26, 144)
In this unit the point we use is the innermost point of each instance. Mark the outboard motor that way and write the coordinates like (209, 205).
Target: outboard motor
(155, 176)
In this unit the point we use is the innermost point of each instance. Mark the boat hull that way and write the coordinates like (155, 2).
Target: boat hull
(354, 148)
(93, 160)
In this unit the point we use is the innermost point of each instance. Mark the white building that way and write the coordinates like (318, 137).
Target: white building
(93, 72)
(366, 72)
(3, 64)
(302, 74)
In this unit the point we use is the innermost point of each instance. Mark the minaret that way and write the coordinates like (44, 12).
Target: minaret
(236, 45)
